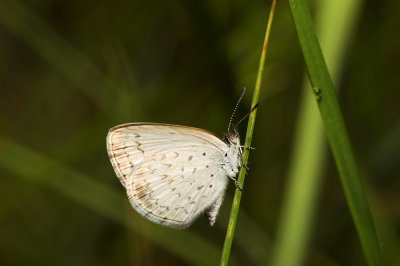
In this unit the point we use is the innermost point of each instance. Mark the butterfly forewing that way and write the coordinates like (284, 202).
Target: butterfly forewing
(171, 173)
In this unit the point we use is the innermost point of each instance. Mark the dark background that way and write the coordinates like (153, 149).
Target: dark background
(70, 70)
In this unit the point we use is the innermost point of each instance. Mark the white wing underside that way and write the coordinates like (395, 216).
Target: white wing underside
(171, 173)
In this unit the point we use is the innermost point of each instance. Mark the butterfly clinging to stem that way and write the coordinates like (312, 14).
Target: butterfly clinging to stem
(174, 173)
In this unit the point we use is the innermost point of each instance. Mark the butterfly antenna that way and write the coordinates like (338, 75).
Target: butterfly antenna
(234, 110)
(247, 115)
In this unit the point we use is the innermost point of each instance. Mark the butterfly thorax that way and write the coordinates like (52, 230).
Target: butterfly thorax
(233, 154)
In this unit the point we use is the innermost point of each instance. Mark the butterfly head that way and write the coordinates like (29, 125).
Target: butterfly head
(232, 138)
(233, 154)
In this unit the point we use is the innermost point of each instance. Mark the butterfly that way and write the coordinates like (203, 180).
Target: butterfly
(174, 173)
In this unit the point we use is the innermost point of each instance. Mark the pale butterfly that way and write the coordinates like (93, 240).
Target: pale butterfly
(174, 173)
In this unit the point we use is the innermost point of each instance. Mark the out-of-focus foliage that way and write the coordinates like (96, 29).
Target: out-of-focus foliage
(69, 71)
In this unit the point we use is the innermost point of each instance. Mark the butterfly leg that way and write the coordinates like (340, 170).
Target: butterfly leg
(236, 183)
(248, 148)
(245, 166)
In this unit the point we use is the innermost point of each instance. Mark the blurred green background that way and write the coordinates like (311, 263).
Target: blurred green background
(70, 70)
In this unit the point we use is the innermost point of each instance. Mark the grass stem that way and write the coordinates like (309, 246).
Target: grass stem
(249, 135)
(336, 131)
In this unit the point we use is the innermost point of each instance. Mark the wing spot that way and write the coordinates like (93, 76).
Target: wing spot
(210, 186)
(143, 195)
(120, 148)
(204, 154)
(226, 155)
(173, 189)
(212, 175)
(198, 188)
(190, 157)
(207, 166)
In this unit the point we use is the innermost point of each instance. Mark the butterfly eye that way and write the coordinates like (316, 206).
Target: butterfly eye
(226, 138)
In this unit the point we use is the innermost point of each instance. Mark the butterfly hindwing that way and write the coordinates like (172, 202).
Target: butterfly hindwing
(173, 194)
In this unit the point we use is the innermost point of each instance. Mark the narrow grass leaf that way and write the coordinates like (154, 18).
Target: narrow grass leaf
(336, 131)
(249, 135)
(306, 167)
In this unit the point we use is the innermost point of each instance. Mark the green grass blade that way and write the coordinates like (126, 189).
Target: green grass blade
(252, 242)
(308, 159)
(336, 131)
(303, 186)
(249, 135)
